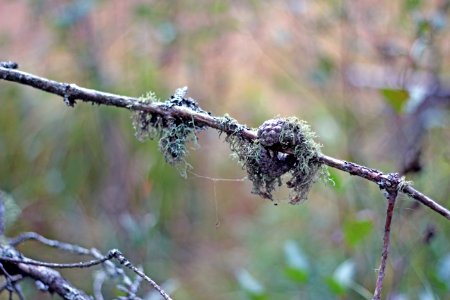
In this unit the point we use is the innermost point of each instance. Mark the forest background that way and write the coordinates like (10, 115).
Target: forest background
(79, 175)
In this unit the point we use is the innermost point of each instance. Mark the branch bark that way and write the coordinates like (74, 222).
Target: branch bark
(15, 263)
(391, 197)
(72, 92)
(13, 256)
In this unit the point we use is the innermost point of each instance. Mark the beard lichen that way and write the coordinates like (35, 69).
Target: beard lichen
(173, 133)
(268, 166)
(284, 151)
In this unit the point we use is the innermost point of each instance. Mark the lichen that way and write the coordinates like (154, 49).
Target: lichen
(284, 152)
(173, 133)
(173, 143)
(228, 124)
(146, 126)
(403, 183)
(267, 164)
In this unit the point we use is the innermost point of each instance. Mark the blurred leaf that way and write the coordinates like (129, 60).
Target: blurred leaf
(143, 11)
(137, 228)
(426, 294)
(12, 210)
(424, 27)
(54, 182)
(443, 269)
(412, 4)
(356, 230)
(439, 20)
(297, 275)
(297, 269)
(74, 13)
(342, 277)
(417, 93)
(294, 255)
(250, 285)
(335, 287)
(395, 98)
(166, 32)
(219, 7)
(344, 273)
(435, 118)
(323, 71)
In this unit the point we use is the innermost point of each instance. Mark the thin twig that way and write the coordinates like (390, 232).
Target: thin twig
(123, 261)
(11, 283)
(79, 265)
(11, 259)
(391, 197)
(12, 279)
(383, 179)
(72, 92)
(116, 254)
(110, 269)
(134, 287)
(99, 279)
(2, 213)
(53, 280)
(72, 248)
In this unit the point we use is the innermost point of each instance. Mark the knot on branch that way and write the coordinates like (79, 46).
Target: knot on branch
(67, 98)
(266, 164)
(9, 64)
(393, 182)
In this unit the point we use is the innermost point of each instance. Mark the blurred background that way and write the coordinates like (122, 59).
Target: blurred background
(371, 77)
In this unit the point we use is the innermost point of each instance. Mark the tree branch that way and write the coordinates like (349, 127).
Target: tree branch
(72, 248)
(34, 268)
(14, 263)
(391, 197)
(72, 92)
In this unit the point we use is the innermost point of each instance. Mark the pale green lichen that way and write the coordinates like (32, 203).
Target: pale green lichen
(267, 164)
(173, 143)
(173, 133)
(403, 183)
(146, 126)
(269, 167)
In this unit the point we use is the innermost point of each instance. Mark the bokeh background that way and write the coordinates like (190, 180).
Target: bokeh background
(358, 71)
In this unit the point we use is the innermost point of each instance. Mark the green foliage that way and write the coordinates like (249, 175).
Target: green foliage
(355, 231)
(342, 278)
(395, 98)
(443, 271)
(74, 13)
(335, 287)
(253, 289)
(323, 71)
(297, 265)
(411, 5)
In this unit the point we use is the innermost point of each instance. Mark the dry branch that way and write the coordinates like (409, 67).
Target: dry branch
(71, 93)
(391, 196)
(14, 263)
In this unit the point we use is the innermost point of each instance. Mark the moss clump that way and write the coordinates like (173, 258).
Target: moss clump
(173, 133)
(267, 165)
(146, 126)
